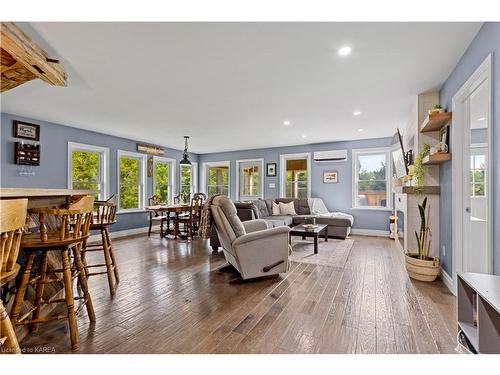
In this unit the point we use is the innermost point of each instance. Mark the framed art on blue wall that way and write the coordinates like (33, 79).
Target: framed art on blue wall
(271, 170)
(330, 177)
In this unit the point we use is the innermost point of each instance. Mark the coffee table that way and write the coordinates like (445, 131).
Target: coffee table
(300, 231)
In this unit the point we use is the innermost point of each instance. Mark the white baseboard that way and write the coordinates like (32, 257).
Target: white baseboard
(119, 234)
(370, 232)
(447, 280)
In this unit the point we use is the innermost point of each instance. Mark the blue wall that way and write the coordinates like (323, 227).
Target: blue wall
(337, 197)
(486, 41)
(53, 169)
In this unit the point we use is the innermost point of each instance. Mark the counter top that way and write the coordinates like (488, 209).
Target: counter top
(33, 192)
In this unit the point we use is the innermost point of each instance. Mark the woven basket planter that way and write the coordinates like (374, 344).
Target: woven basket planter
(421, 269)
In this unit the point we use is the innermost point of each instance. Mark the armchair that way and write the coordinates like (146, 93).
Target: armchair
(250, 246)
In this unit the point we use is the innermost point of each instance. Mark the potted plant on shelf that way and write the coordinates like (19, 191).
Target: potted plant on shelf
(420, 265)
(436, 109)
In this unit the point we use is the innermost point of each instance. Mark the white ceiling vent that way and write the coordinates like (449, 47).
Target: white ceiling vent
(330, 156)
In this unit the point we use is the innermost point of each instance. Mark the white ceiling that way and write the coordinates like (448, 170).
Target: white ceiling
(230, 86)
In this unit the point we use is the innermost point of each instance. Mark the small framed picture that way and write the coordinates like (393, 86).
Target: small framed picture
(271, 170)
(330, 177)
(26, 130)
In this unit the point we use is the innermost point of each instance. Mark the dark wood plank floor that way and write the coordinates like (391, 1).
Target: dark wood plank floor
(171, 300)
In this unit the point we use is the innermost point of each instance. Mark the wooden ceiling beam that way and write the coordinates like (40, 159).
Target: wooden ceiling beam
(31, 56)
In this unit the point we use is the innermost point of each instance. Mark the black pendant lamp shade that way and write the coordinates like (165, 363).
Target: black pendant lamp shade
(185, 159)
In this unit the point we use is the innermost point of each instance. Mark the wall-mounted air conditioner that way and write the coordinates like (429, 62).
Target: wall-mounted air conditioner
(330, 156)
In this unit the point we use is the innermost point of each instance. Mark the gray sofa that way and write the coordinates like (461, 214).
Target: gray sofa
(338, 225)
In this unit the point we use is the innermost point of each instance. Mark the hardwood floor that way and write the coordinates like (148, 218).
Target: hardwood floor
(171, 300)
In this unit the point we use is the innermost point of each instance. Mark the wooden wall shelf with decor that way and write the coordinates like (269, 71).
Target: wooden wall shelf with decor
(436, 158)
(435, 121)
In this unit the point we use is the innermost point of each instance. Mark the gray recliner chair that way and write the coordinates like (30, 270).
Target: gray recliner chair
(250, 246)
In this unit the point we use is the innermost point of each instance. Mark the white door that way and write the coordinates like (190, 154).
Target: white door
(475, 257)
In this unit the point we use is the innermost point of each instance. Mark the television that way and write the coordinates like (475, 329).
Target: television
(399, 156)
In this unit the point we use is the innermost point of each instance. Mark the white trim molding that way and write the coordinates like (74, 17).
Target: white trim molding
(447, 280)
(103, 165)
(388, 175)
(460, 136)
(261, 176)
(205, 165)
(172, 175)
(283, 159)
(142, 174)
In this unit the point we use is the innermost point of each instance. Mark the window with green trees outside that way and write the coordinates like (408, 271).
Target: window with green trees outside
(130, 169)
(371, 179)
(217, 180)
(85, 170)
(186, 179)
(162, 181)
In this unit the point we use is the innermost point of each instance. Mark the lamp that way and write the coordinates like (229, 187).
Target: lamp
(185, 159)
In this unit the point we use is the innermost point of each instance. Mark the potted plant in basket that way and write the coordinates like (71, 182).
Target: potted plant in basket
(421, 266)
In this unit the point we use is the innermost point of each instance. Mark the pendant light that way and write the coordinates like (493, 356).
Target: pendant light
(185, 159)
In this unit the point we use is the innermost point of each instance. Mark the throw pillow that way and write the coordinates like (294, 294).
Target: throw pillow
(276, 209)
(287, 208)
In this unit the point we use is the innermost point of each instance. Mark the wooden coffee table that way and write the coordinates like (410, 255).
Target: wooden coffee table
(300, 231)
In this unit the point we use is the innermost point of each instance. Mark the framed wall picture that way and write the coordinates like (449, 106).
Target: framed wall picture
(330, 177)
(271, 170)
(26, 130)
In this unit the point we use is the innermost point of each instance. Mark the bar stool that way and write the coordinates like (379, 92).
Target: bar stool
(104, 216)
(61, 230)
(12, 221)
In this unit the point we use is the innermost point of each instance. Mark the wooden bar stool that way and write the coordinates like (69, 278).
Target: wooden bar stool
(61, 230)
(12, 221)
(104, 216)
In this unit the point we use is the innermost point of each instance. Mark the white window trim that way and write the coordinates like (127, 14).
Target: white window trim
(142, 174)
(283, 159)
(205, 165)
(104, 151)
(238, 162)
(388, 174)
(194, 177)
(171, 177)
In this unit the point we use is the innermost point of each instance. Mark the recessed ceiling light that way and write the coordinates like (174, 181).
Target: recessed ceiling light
(287, 123)
(481, 119)
(360, 130)
(304, 136)
(356, 113)
(344, 51)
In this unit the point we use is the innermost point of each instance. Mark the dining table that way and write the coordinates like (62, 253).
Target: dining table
(177, 210)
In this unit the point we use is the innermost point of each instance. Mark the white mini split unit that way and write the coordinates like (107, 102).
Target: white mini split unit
(330, 156)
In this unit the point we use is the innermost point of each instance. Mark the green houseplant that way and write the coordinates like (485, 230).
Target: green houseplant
(419, 169)
(420, 265)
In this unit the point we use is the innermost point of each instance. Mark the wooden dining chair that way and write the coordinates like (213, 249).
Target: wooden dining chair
(155, 216)
(61, 231)
(191, 220)
(12, 222)
(104, 216)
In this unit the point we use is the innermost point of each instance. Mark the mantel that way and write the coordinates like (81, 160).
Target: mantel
(411, 190)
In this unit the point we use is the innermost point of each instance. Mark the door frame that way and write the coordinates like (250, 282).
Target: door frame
(283, 159)
(238, 162)
(459, 135)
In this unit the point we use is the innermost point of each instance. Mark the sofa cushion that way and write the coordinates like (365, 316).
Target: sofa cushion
(334, 219)
(279, 219)
(287, 208)
(301, 204)
(261, 207)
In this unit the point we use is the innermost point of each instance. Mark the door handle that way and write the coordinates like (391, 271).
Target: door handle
(467, 209)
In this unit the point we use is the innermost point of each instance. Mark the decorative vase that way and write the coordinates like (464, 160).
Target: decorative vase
(421, 269)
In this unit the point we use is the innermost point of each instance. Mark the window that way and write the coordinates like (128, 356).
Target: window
(216, 178)
(88, 168)
(371, 178)
(187, 184)
(131, 180)
(163, 178)
(295, 179)
(477, 175)
(249, 181)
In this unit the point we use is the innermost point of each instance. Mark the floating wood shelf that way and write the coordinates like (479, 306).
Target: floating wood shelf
(427, 190)
(435, 121)
(436, 158)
